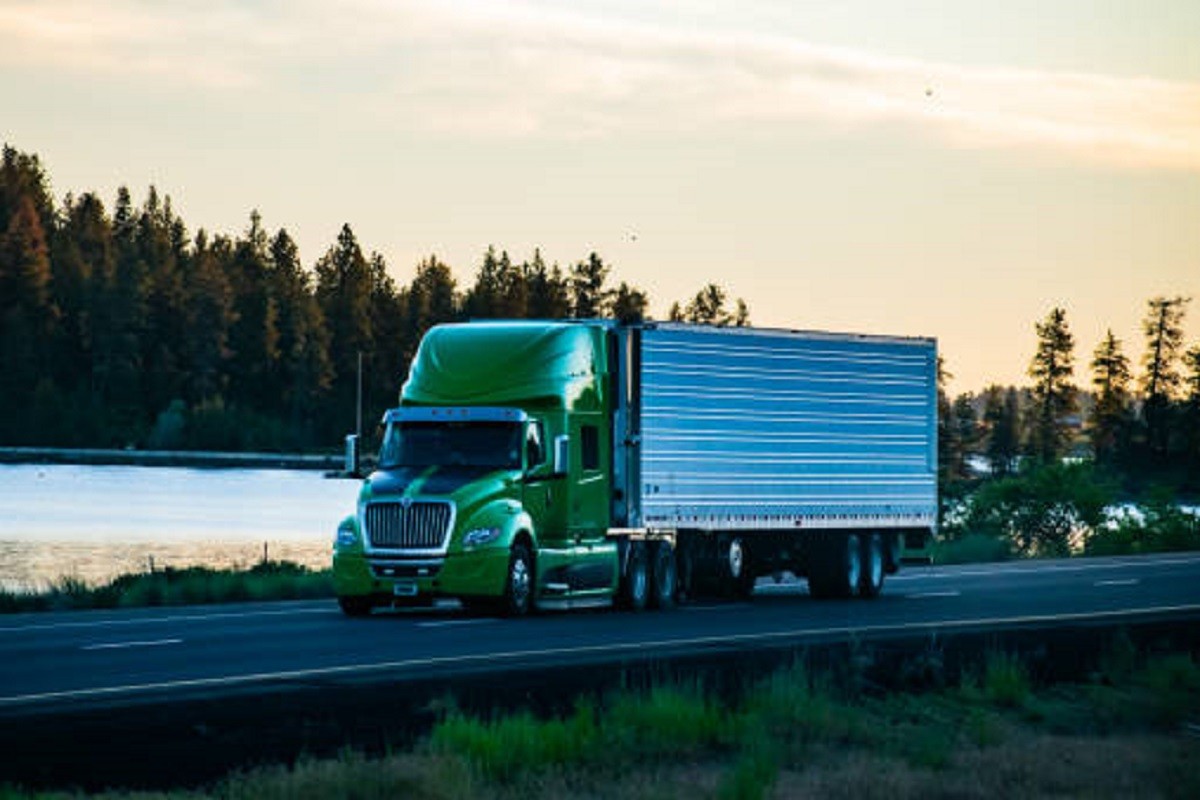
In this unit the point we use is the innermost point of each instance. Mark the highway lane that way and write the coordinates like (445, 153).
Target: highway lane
(65, 658)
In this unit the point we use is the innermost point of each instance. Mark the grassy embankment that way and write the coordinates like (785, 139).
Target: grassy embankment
(1129, 730)
(268, 580)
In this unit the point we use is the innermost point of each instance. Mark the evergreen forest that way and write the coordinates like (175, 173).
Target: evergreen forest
(121, 329)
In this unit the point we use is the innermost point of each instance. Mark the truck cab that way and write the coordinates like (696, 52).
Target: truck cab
(493, 479)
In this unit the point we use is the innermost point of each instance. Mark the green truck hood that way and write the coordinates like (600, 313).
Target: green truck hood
(470, 488)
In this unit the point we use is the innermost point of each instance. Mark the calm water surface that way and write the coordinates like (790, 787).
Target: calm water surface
(95, 522)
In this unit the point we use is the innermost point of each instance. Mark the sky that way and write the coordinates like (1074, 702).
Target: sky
(947, 168)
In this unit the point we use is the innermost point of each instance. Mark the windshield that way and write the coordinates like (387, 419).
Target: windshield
(442, 444)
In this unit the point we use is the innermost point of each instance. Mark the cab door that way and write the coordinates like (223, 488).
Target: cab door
(593, 555)
(544, 495)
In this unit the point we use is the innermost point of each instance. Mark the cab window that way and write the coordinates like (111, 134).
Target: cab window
(535, 451)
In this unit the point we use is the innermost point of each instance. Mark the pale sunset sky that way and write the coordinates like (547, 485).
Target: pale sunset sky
(948, 168)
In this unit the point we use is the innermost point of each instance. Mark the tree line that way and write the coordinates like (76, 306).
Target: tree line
(1136, 426)
(121, 329)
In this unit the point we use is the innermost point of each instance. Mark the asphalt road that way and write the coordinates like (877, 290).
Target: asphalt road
(124, 657)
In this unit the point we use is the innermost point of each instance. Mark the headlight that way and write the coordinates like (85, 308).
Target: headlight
(480, 536)
(346, 535)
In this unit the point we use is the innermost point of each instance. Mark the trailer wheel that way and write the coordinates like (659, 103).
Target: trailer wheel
(355, 605)
(739, 577)
(663, 576)
(836, 566)
(635, 583)
(518, 589)
(894, 551)
(872, 559)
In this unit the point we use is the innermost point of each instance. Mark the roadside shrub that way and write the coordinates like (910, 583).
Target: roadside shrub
(1043, 511)
(673, 720)
(503, 748)
(1005, 681)
(1159, 526)
(270, 580)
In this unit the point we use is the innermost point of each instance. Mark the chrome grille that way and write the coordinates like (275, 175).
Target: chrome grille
(408, 526)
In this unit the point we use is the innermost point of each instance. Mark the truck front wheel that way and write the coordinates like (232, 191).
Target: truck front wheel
(518, 588)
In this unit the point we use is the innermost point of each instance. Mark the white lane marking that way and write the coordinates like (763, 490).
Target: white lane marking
(927, 595)
(449, 622)
(127, 645)
(1122, 582)
(113, 623)
(1033, 567)
(937, 626)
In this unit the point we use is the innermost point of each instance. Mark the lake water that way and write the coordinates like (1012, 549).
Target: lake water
(94, 522)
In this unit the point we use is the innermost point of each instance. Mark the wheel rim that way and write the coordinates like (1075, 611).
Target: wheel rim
(853, 564)
(736, 558)
(520, 582)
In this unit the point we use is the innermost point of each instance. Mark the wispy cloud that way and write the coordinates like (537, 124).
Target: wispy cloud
(509, 68)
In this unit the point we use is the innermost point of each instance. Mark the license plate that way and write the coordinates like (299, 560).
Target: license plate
(404, 589)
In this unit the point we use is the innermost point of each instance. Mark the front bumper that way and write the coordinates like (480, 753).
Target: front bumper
(480, 573)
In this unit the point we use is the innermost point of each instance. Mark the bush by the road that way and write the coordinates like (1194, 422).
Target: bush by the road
(1160, 526)
(268, 580)
(1060, 510)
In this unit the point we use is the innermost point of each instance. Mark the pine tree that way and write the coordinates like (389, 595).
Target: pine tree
(84, 268)
(1111, 415)
(304, 368)
(387, 364)
(629, 304)
(548, 295)
(1163, 327)
(164, 339)
(708, 307)
(122, 380)
(1001, 416)
(589, 297)
(26, 318)
(1053, 393)
(210, 316)
(1191, 415)
(432, 299)
(968, 434)
(482, 300)
(344, 286)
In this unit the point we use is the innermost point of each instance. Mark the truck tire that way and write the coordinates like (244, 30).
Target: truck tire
(894, 551)
(355, 605)
(873, 566)
(738, 575)
(663, 575)
(518, 588)
(635, 583)
(836, 566)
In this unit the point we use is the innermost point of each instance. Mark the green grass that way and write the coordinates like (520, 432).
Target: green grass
(268, 580)
(1121, 733)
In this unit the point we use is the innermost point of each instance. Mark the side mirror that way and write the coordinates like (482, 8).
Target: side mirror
(562, 454)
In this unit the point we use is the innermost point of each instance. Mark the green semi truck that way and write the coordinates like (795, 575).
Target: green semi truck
(567, 464)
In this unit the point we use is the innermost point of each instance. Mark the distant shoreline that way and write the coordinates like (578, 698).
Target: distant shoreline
(170, 458)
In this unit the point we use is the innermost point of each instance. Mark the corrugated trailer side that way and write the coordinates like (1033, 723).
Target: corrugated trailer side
(756, 431)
